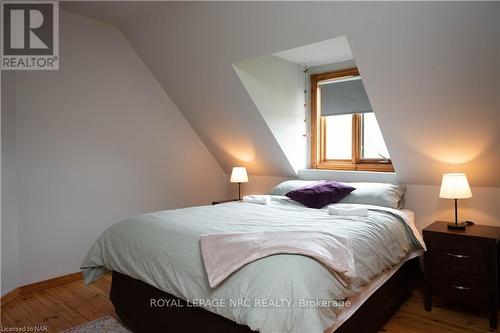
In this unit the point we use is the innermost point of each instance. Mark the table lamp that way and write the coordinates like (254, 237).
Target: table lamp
(239, 175)
(455, 186)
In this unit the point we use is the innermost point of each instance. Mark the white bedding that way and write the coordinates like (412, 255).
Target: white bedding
(279, 292)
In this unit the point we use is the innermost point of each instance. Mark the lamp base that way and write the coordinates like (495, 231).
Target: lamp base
(458, 226)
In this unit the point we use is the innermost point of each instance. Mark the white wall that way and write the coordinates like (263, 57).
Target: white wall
(96, 142)
(276, 86)
(255, 185)
(9, 225)
(482, 208)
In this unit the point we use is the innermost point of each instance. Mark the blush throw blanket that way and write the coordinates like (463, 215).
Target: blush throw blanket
(225, 253)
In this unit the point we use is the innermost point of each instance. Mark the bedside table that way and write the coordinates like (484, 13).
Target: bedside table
(224, 201)
(462, 266)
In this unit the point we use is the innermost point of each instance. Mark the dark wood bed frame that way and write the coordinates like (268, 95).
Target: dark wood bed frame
(132, 298)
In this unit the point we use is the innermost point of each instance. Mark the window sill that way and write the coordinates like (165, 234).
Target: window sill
(349, 176)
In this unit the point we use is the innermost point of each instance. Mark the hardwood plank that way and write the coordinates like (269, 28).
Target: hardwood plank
(13, 315)
(4, 321)
(47, 310)
(29, 288)
(411, 322)
(9, 296)
(472, 322)
(411, 317)
(57, 306)
(88, 301)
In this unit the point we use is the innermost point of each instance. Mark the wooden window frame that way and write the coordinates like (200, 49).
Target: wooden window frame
(318, 132)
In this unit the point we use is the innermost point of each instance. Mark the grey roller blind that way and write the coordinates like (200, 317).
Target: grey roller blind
(344, 97)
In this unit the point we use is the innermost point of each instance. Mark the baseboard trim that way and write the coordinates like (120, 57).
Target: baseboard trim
(50, 283)
(54, 282)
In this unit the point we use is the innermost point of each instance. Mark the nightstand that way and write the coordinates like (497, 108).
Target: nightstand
(462, 266)
(223, 201)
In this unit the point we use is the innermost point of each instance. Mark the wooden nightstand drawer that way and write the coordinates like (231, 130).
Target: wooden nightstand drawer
(463, 256)
(462, 266)
(465, 289)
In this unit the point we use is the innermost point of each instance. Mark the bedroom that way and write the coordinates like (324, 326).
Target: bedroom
(151, 106)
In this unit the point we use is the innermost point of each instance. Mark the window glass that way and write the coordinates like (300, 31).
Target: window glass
(338, 138)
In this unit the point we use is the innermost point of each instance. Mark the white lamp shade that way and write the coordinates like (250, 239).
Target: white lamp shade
(455, 186)
(239, 175)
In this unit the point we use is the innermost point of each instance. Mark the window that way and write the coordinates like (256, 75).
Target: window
(345, 131)
(338, 143)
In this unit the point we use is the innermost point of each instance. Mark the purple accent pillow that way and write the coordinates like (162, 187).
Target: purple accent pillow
(318, 195)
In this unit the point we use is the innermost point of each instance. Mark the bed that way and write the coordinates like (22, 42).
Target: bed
(159, 278)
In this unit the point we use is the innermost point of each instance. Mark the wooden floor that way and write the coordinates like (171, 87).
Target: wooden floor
(72, 304)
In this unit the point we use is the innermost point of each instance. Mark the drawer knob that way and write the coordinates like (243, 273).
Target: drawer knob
(458, 256)
(460, 287)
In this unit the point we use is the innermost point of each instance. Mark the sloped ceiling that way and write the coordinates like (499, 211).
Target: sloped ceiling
(326, 52)
(431, 70)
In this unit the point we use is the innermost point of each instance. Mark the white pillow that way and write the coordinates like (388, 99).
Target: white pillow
(289, 185)
(379, 194)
